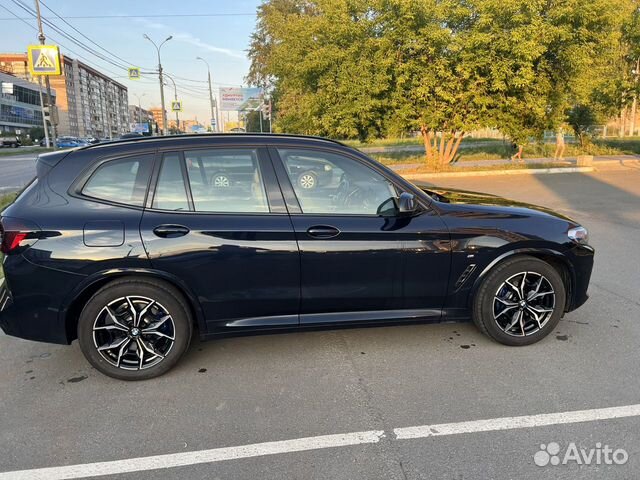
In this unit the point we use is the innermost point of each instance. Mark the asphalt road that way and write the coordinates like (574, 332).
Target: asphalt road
(56, 411)
(16, 171)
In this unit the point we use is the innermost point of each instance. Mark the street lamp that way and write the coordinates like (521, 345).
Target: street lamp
(175, 97)
(164, 112)
(214, 106)
(139, 107)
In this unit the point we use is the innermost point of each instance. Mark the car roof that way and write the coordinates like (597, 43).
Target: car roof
(248, 137)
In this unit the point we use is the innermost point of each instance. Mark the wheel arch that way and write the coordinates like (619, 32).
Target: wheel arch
(551, 256)
(76, 301)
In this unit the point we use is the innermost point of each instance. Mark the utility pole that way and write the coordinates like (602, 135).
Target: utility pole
(164, 111)
(52, 116)
(44, 117)
(214, 106)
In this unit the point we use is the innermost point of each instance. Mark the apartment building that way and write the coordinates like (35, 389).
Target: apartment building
(89, 102)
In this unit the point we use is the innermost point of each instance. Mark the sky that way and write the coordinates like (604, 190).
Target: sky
(216, 30)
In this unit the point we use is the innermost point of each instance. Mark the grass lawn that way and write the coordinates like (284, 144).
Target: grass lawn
(9, 152)
(500, 150)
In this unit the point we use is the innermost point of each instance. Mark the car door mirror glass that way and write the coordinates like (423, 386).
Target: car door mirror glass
(388, 208)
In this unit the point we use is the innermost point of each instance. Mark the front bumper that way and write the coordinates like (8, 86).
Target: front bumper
(581, 259)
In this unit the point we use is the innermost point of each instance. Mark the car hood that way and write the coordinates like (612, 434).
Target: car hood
(466, 197)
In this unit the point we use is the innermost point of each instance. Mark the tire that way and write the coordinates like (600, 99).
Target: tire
(167, 338)
(498, 304)
(308, 180)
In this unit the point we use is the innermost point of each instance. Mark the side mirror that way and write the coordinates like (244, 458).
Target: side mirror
(406, 203)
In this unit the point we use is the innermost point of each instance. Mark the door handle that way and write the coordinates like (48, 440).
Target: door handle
(323, 231)
(170, 231)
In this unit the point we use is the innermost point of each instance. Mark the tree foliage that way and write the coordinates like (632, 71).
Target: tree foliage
(355, 68)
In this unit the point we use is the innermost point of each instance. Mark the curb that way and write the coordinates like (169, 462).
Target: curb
(489, 173)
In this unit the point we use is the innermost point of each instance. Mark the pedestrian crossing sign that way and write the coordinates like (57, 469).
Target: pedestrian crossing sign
(44, 60)
(176, 106)
(134, 73)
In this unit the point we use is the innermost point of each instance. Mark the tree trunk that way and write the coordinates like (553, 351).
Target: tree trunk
(447, 152)
(441, 148)
(426, 138)
(456, 146)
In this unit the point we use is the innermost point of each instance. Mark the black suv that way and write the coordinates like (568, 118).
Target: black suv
(130, 245)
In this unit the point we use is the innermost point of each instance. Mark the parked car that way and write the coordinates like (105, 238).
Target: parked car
(10, 141)
(129, 246)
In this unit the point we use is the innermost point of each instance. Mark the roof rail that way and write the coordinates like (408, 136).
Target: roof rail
(202, 135)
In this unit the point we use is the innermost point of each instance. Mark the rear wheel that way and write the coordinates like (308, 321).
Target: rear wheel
(520, 301)
(135, 329)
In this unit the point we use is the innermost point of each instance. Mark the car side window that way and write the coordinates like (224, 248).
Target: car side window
(121, 180)
(226, 180)
(329, 183)
(171, 193)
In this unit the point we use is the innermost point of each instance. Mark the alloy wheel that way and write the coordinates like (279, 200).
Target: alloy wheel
(523, 304)
(307, 181)
(134, 333)
(221, 181)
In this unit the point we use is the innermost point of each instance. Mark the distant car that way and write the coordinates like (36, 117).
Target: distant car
(91, 140)
(10, 141)
(68, 142)
(124, 136)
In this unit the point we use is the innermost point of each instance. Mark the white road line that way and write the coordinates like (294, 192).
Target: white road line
(193, 458)
(526, 421)
(158, 462)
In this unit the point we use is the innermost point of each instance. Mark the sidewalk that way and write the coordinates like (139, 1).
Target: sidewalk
(598, 161)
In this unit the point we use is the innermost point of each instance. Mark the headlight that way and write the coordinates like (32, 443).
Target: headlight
(327, 168)
(578, 234)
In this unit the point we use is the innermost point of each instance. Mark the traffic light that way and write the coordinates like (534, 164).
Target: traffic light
(51, 114)
(266, 110)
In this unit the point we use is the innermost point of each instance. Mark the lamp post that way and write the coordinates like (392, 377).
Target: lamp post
(214, 106)
(164, 112)
(175, 97)
(139, 107)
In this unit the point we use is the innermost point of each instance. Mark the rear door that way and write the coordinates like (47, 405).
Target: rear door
(216, 220)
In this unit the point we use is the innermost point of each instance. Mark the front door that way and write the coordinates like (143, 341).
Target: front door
(353, 255)
(217, 221)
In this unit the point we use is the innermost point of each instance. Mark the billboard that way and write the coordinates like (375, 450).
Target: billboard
(140, 127)
(237, 99)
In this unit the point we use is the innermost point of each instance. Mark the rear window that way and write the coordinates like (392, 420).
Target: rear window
(122, 180)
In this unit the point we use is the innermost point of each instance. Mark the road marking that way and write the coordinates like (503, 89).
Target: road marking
(193, 458)
(158, 462)
(508, 423)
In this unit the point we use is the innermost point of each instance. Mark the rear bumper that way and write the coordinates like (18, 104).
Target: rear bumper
(30, 305)
(581, 258)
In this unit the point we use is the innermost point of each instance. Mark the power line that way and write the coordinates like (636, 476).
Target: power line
(78, 55)
(71, 38)
(83, 35)
(168, 15)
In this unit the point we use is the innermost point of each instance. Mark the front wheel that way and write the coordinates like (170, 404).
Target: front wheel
(520, 301)
(135, 329)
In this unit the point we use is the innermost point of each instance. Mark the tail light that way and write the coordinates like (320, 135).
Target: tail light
(16, 235)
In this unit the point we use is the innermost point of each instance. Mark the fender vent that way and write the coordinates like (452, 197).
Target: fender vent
(467, 272)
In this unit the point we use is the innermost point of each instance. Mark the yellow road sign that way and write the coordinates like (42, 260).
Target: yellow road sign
(176, 106)
(134, 73)
(44, 60)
